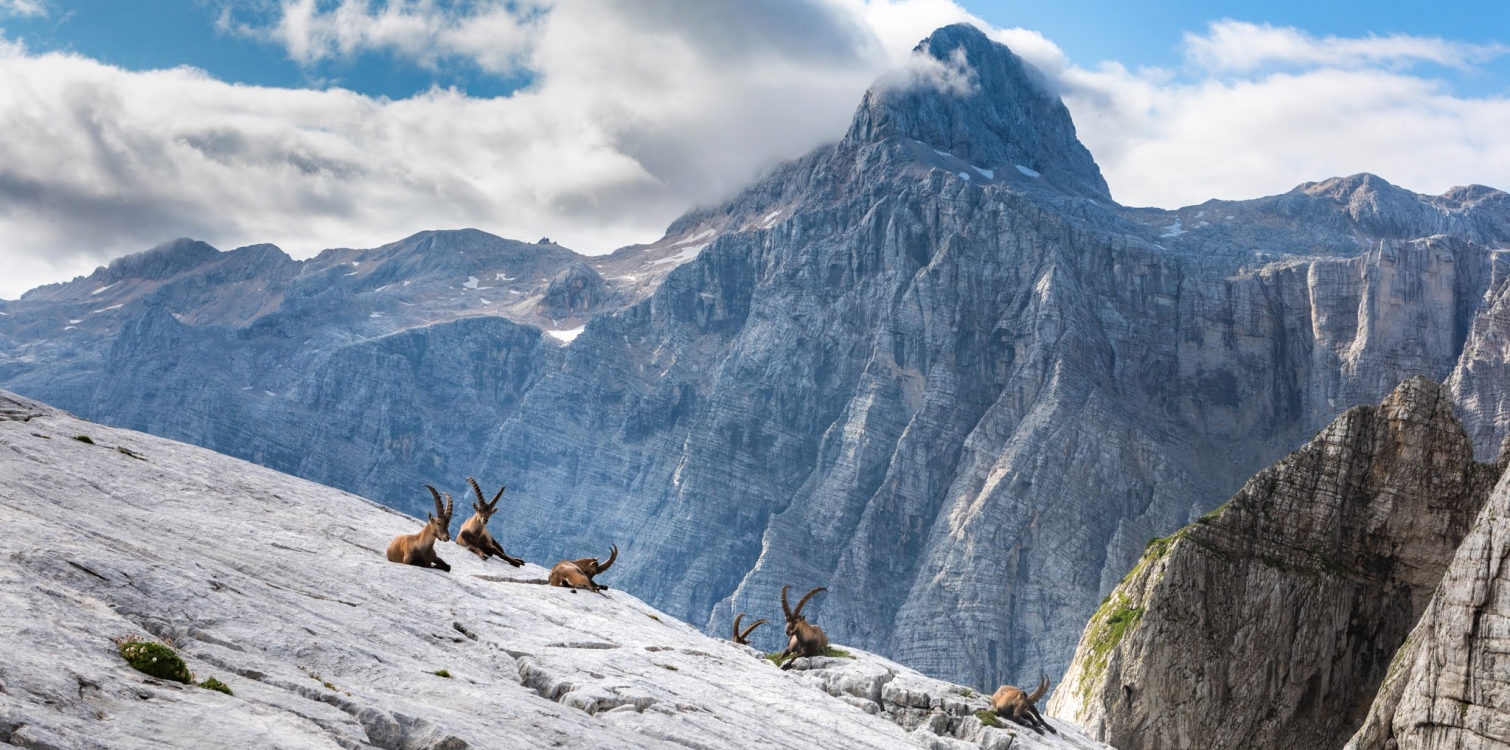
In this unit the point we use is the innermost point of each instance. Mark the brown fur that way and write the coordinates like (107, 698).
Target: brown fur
(1015, 704)
(743, 638)
(803, 637)
(419, 549)
(566, 574)
(590, 566)
(474, 533)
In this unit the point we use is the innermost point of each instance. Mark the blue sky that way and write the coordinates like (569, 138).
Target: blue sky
(327, 123)
(147, 34)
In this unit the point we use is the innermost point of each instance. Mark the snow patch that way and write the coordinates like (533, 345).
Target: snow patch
(483, 301)
(568, 335)
(103, 309)
(965, 176)
(80, 320)
(989, 174)
(1173, 230)
(103, 288)
(502, 277)
(69, 328)
(1025, 170)
(471, 282)
(705, 234)
(944, 154)
(375, 315)
(681, 257)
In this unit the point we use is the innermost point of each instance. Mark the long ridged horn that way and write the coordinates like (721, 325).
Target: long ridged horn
(613, 554)
(449, 505)
(746, 635)
(805, 598)
(1043, 687)
(492, 506)
(440, 508)
(737, 618)
(784, 606)
(482, 503)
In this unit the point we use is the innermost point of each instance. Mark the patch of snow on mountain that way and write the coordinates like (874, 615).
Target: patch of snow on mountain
(1025, 170)
(1173, 230)
(989, 174)
(500, 276)
(106, 309)
(471, 282)
(964, 176)
(103, 288)
(681, 257)
(568, 335)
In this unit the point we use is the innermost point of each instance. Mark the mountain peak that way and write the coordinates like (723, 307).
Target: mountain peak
(974, 98)
(162, 262)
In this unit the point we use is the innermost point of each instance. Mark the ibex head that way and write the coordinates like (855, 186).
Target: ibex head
(485, 508)
(592, 567)
(794, 617)
(441, 520)
(742, 635)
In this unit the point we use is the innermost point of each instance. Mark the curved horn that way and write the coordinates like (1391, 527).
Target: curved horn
(493, 505)
(613, 554)
(1043, 687)
(449, 505)
(787, 608)
(805, 598)
(737, 618)
(440, 508)
(481, 503)
(751, 629)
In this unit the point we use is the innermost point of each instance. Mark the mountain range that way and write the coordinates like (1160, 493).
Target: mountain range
(933, 366)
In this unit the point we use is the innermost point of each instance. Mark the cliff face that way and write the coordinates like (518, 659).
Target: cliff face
(901, 366)
(1272, 621)
(1449, 685)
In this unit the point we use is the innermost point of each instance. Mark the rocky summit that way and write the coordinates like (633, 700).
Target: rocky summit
(1273, 620)
(296, 632)
(932, 366)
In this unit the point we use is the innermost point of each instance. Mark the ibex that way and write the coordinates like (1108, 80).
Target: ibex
(474, 533)
(419, 549)
(578, 574)
(1012, 703)
(743, 638)
(803, 637)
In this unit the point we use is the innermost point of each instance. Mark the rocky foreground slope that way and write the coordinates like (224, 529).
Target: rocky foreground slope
(278, 587)
(1272, 621)
(931, 365)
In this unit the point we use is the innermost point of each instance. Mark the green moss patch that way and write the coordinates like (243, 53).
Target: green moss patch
(988, 717)
(443, 673)
(153, 658)
(1107, 628)
(85, 439)
(837, 653)
(210, 683)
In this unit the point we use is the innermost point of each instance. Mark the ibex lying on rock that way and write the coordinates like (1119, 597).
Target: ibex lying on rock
(578, 574)
(743, 638)
(419, 549)
(1012, 703)
(803, 637)
(474, 533)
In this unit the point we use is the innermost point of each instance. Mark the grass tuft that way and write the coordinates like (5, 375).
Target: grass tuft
(443, 673)
(154, 658)
(210, 683)
(988, 717)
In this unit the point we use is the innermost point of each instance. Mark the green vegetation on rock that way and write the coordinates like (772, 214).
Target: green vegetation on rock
(210, 683)
(154, 658)
(988, 717)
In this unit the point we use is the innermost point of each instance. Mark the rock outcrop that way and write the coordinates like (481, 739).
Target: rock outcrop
(1448, 687)
(1272, 621)
(279, 589)
(899, 366)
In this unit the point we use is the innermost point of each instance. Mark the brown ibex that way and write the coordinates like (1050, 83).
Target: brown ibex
(803, 637)
(743, 638)
(419, 549)
(578, 574)
(1012, 703)
(474, 533)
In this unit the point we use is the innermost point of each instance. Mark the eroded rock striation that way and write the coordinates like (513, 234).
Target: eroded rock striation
(931, 365)
(1272, 621)
(1448, 687)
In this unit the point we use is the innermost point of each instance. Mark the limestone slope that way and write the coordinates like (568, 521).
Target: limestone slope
(279, 588)
(1271, 622)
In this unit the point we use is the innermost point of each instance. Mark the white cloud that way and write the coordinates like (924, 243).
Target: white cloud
(23, 8)
(1238, 46)
(638, 111)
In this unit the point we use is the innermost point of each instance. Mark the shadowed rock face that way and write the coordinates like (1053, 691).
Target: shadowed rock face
(1272, 621)
(961, 396)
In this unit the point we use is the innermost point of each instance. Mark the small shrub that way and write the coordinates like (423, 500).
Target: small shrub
(210, 683)
(837, 653)
(443, 673)
(85, 439)
(155, 659)
(988, 717)
(968, 693)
